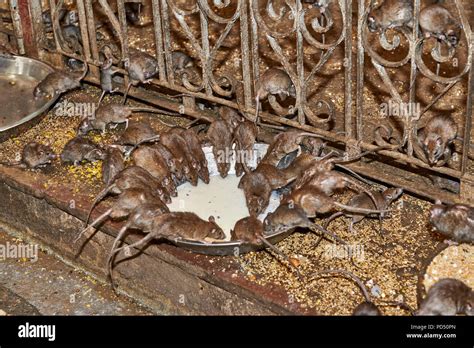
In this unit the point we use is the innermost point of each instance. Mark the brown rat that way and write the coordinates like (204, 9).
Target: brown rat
(56, 83)
(150, 159)
(107, 70)
(220, 137)
(125, 203)
(435, 140)
(283, 144)
(362, 200)
(245, 136)
(181, 61)
(80, 149)
(137, 132)
(231, 117)
(273, 81)
(250, 230)
(314, 201)
(195, 153)
(454, 221)
(391, 14)
(131, 177)
(448, 297)
(115, 113)
(175, 143)
(141, 68)
(112, 164)
(34, 155)
(437, 21)
(141, 218)
(289, 216)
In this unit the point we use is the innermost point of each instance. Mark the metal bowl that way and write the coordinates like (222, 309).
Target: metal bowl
(20, 111)
(232, 247)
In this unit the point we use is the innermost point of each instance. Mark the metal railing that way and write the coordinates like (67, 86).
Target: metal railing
(284, 31)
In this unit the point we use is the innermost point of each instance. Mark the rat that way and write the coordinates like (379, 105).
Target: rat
(125, 203)
(195, 153)
(391, 14)
(141, 68)
(148, 158)
(80, 149)
(115, 113)
(273, 81)
(112, 164)
(58, 82)
(454, 221)
(437, 21)
(132, 12)
(230, 116)
(176, 226)
(288, 216)
(136, 133)
(250, 230)
(107, 71)
(181, 61)
(283, 144)
(220, 137)
(175, 143)
(245, 136)
(33, 155)
(314, 201)
(362, 200)
(448, 297)
(131, 177)
(141, 218)
(435, 140)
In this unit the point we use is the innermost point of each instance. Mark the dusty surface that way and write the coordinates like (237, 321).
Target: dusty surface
(46, 286)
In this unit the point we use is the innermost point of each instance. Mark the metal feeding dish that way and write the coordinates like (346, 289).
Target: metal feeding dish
(222, 199)
(20, 110)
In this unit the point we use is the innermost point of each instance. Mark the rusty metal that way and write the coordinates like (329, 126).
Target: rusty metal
(323, 31)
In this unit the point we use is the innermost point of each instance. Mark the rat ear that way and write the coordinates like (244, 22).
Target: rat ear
(212, 219)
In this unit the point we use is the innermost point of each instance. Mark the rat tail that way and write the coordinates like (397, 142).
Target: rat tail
(359, 210)
(99, 197)
(97, 221)
(347, 274)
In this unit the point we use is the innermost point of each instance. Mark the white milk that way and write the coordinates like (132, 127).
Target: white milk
(221, 198)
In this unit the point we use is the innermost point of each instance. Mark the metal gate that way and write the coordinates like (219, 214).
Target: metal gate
(330, 55)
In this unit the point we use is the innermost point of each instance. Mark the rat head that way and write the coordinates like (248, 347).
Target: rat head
(190, 174)
(257, 192)
(36, 155)
(85, 126)
(392, 194)
(95, 155)
(437, 210)
(223, 164)
(213, 229)
(286, 216)
(434, 148)
(453, 34)
(373, 22)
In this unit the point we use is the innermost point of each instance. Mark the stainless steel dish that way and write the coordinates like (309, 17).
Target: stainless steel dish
(19, 110)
